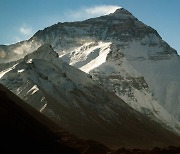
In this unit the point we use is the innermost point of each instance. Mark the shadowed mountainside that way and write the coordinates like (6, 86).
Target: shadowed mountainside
(24, 130)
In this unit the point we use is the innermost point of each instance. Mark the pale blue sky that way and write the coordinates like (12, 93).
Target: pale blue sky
(20, 19)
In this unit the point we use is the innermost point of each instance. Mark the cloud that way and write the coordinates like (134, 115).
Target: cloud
(20, 33)
(26, 30)
(17, 39)
(101, 10)
(90, 12)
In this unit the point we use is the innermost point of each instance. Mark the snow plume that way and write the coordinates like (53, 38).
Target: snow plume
(26, 47)
(101, 10)
(2, 54)
(90, 12)
(26, 30)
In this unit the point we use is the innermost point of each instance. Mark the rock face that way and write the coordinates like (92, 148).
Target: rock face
(120, 53)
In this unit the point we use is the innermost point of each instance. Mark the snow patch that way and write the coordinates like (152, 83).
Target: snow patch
(104, 50)
(20, 71)
(6, 71)
(33, 90)
(41, 110)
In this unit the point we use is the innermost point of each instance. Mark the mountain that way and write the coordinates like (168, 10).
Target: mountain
(119, 51)
(127, 63)
(79, 104)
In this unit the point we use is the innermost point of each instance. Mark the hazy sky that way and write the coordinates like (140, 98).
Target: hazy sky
(20, 19)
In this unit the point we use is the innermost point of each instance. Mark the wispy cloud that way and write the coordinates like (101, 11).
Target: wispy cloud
(16, 39)
(26, 30)
(89, 12)
(21, 32)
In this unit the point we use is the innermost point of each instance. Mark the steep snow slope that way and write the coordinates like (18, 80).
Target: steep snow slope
(160, 70)
(118, 75)
(142, 68)
(71, 98)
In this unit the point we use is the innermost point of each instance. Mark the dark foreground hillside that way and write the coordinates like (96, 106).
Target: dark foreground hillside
(24, 130)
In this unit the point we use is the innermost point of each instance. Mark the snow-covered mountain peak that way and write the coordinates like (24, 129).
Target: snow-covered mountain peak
(122, 11)
(45, 52)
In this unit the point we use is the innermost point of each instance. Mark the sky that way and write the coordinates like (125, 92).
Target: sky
(20, 19)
